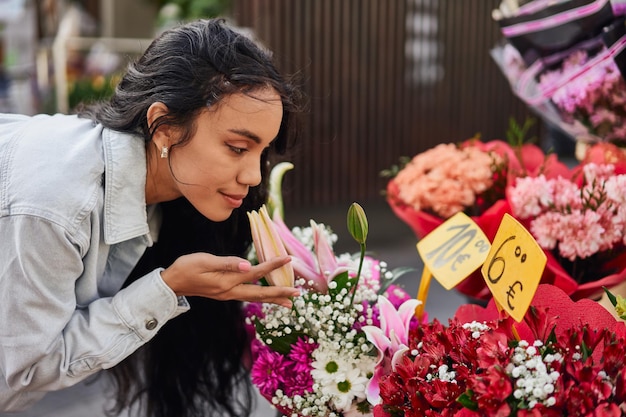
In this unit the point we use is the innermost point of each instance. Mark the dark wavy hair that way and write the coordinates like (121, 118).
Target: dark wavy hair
(195, 365)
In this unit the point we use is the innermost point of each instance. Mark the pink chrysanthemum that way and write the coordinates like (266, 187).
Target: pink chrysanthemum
(267, 371)
(300, 354)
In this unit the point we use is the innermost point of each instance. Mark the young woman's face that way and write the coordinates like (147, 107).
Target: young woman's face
(216, 167)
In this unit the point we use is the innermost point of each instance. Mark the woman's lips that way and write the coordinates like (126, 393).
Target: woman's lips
(234, 200)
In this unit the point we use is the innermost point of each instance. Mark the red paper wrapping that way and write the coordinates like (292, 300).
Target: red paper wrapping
(532, 161)
(569, 313)
(423, 223)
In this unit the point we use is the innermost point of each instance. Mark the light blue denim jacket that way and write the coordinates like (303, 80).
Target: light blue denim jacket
(73, 223)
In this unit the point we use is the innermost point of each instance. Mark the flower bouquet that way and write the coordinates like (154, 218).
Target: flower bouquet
(580, 223)
(567, 61)
(314, 359)
(591, 105)
(471, 177)
(565, 359)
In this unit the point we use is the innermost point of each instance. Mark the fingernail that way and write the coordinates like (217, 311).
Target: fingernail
(287, 304)
(244, 266)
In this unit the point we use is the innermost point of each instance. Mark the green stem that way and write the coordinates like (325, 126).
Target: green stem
(358, 274)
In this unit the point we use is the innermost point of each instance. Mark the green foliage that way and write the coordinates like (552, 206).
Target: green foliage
(90, 89)
(392, 171)
(280, 340)
(343, 281)
(516, 134)
(397, 273)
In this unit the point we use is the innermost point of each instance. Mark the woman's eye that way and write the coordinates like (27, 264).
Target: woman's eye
(237, 150)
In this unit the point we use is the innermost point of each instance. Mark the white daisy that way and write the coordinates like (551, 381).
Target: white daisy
(344, 390)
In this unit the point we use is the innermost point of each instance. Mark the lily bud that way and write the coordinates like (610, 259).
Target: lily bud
(275, 197)
(268, 245)
(357, 223)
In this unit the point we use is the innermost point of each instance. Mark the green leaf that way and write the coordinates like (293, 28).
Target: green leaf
(466, 400)
(343, 280)
(516, 134)
(609, 294)
(392, 171)
(397, 273)
(585, 350)
(280, 344)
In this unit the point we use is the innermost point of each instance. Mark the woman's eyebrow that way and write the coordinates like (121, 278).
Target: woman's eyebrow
(246, 133)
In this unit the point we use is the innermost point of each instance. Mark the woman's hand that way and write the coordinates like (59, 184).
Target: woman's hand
(226, 278)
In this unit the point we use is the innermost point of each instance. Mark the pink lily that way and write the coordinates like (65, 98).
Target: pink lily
(268, 245)
(318, 268)
(390, 339)
(294, 247)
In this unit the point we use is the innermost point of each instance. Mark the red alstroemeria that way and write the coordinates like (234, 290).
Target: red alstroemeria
(492, 388)
(571, 353)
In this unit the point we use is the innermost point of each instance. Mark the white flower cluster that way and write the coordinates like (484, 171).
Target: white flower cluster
(305, 235)
(534, 376)
(476, 328)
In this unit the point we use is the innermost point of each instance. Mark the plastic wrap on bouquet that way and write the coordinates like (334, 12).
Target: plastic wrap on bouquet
(539, 28)
(580, 90)
(422, 223)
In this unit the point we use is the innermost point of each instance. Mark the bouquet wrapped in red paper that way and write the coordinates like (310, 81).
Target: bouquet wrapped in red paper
(565, 359)
(471, 177)
(580, 222)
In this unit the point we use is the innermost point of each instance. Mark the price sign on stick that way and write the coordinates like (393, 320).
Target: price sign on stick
(454, 250)
(513, 267)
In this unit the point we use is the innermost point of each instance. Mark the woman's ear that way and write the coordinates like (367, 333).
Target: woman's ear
(161, 134)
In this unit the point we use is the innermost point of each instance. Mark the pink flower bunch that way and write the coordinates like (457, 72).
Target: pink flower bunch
(552, 364)
(583, 222)
(448, 178)
(596, 98)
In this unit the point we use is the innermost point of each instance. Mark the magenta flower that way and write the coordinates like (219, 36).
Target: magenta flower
(267, 371)
(300, 354)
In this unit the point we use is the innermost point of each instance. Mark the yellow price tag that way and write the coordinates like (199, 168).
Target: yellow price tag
(514, 267)
(454, 250)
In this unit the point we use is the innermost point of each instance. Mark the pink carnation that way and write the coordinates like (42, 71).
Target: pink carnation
(580, 221)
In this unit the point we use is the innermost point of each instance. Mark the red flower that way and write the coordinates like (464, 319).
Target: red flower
(491, 389)
(571, 367)
(607, 153)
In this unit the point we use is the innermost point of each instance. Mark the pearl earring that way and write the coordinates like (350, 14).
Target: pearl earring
(164, 152)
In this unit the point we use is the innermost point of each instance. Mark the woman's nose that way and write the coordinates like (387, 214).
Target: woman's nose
(250, 174)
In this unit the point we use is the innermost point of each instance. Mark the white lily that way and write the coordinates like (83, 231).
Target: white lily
(268, 244)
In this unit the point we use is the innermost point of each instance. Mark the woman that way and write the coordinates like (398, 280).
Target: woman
(124, 230)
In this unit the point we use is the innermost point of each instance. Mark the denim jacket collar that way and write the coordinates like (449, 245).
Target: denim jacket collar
(125, 215)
